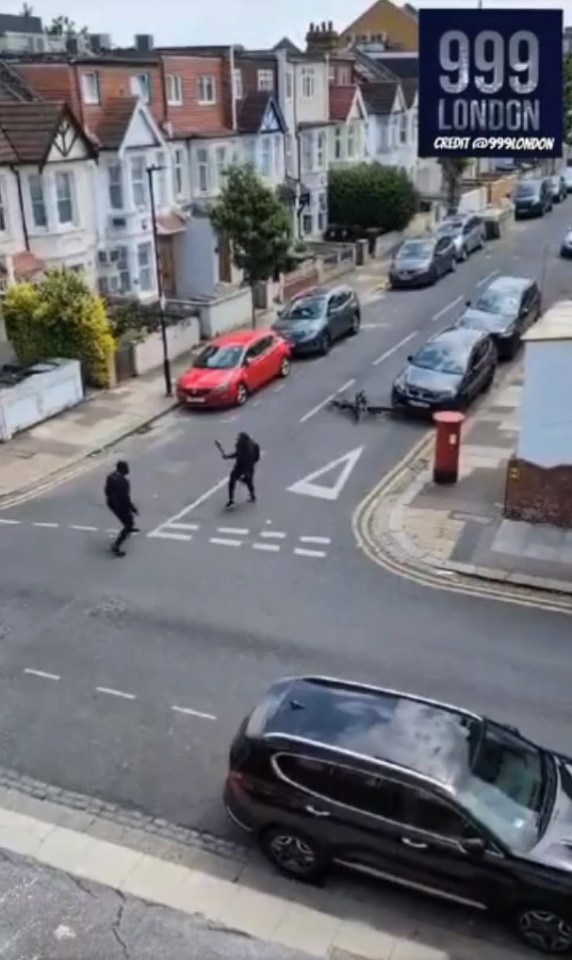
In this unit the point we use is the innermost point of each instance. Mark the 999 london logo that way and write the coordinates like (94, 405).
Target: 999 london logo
(491, 85)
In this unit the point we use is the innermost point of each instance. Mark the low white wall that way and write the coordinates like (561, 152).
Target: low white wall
(181, 337)
(39, 396)
(231, 311)
(473, 201)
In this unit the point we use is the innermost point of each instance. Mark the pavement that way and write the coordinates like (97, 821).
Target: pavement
(122, 682)
(460, 530)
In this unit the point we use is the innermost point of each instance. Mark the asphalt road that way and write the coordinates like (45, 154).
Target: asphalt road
(126, 679)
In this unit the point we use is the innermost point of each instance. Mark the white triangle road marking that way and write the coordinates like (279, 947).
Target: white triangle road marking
(308, 488)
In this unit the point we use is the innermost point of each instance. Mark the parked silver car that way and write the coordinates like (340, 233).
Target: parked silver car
(466, 231)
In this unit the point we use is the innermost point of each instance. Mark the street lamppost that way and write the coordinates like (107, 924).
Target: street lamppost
(166, 362)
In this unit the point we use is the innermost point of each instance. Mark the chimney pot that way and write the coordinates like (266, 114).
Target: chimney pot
(331, 26)
(323, 26)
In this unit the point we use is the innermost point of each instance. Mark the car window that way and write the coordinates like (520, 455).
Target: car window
(526, 189)
(214, 357)
(432, 815)
(417, 249)
(334, 303)
(497, 302)
(310, 308)
(443, 244)
(442, 357)
(468, 226)
(256, 349)
(265, 344)
(480, 353)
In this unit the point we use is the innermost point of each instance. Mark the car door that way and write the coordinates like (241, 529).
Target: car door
(480, 365)
(335, 316)
(346, 312)
(274, 354)
(267, 359)
(254, 364)
(441, 258)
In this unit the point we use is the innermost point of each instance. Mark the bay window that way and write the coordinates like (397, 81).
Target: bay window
(64, 197)
(37, 200)
(266, 157)
(115, 184)
(138, 183)
(203, 170)
(145, 266)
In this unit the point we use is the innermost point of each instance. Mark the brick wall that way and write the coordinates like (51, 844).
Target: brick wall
(538, 494)
(53, 81)
(192, 115)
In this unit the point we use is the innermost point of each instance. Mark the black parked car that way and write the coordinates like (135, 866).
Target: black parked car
(505, 309)
(532, 198)
(314, 319)
(447, 372)
(436, 798)
(421, 262)
(559, 188)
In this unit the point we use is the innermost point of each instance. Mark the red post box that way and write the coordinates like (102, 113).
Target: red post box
(447, 446)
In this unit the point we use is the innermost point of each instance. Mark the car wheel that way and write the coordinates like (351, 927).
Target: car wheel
(325, 343)
(284, 367)
(464, 254)
(543, 929)
(453, 265)
(293, 853)
(356, 324)
(241, 394)
(489, 382)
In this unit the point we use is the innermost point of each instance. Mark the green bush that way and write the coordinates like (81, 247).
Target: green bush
(60, 317)
(369, 196)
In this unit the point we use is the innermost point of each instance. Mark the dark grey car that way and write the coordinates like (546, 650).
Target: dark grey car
(559, 188)
(314, 319)
(505, 309)
(467, 232)
(532, 198)
(422, 261)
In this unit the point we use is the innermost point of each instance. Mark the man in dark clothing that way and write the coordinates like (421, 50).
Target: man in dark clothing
(118, 497)
(246, 455)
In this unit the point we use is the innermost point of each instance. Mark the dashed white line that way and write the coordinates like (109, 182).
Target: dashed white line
(42, 674)
(302, 552)
(193, 506)
(77, 526)
(279, 388)
(324, 540)
(10, 522)
(194, 713)
(183, 526)
(229, 419)
(224, 542)
(324, 403)
(447, 308)
(167, 535)
(116, 693)
(394, 349)
(273, 534)
(47, 526)
(240, 531)
(270, 547)
(488, 277)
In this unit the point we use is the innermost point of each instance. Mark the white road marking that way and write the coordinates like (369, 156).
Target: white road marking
(374, 326)
(394, 349)
(273, 534)
(307, 488)
(116, 693)
(183, 526)
(279, 388)
(447, 308)
(229, 419)
(302, 552)
(324, 540)
(193, 506)
(42, 674)
(324, 403)
(10, 522)
(488, 277)
(241, 531)
(48, 526)
(272, 547)
(194, 713)
(167, 535)
(77, 526)
(223, 542)
(255, 403)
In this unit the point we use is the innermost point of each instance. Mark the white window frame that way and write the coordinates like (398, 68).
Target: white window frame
(237, 84)
(289, 84)
(351, 142)
(307, 153)
(160, 180)
(403, 133)
(90, 88)
(179, 171)
(64, 197)
(141, 86)
(39, 202)
(322, 212)
(307, 221)
(338, 144)
(206, 89)
(115, 186)
(265, 81)
(145, 267)
(123, 271)
(278, 155)
(288, 154)
(221, 163)
(203, 170)
(139, 183)
(344, 77)
(3, 211)
(174, 84)
(308, 83)
(266, 156)
(321, 150)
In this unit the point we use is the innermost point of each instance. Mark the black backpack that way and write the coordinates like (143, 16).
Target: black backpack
(255, 450)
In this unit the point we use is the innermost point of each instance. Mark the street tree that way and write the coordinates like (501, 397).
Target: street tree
(255, 223)
(371, 196)
(27, 10)
(453, 169)
(63, 26)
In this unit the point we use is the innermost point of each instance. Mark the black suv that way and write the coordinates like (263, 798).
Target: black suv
(430, 796)
(315, 318)
(505, 309)
(532, 198)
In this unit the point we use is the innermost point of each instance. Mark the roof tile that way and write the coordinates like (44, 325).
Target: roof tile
(29, 128)
(341, 100)
(380, 96)
(110, 132)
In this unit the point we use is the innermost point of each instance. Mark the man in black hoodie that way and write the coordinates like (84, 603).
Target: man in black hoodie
(118, 498)
(246, 455)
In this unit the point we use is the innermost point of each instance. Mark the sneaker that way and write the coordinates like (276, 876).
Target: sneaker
(118, 552)
(252, 499)
(229, 505)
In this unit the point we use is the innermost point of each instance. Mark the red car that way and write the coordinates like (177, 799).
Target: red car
(232, 367)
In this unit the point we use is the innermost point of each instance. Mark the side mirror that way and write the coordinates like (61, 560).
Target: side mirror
(467, 303)
(475, 846)
(246, 362)
(410, 358)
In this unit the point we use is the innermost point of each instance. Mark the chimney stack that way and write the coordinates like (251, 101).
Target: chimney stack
(321, 38)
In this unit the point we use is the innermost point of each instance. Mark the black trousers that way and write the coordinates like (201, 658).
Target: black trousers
(246, 476)
(125, 518)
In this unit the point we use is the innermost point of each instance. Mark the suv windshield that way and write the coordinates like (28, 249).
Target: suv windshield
(527, 189)
(310, 309)
(441, 357)
(498, 302)
(416, 250)
(451, 227)
(219, 358)
(507, 787)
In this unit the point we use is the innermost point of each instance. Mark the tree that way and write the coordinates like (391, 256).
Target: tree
(62, 26)
(60, 317)
(568, 99)
(453, 169)
(370, 195)
(256, 224)
(27, 10)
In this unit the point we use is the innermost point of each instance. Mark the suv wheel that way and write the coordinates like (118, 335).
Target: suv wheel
(464, 254)
(325, 343)
(543, 929)
(293, 853)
